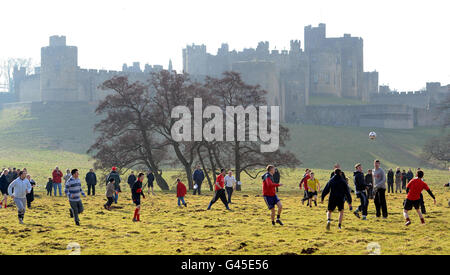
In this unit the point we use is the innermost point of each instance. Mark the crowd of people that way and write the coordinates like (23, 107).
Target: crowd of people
(19, 185)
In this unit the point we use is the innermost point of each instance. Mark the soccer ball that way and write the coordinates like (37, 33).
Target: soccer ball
(372, 135)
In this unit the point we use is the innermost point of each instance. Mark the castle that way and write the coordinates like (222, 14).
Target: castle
(330, 67)
(59, 78)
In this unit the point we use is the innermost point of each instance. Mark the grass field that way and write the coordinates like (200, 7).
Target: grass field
(167, 229)
(41, 140)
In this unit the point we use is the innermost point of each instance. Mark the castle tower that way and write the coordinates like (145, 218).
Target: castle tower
(59, 67)
(314, 36)
(170, 65)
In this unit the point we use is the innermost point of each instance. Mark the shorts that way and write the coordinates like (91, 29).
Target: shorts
(408, 204)
(332, 204)
(137, 200)
(312, 194)
(150, 184)
(271, 201)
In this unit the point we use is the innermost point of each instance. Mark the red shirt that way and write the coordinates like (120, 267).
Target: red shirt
(269, 187)
(57, 176)
(415, 188)
(181, 189)
(304, 181)
(221, 180)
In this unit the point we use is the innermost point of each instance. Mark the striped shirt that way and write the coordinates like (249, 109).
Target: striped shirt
(73, 189)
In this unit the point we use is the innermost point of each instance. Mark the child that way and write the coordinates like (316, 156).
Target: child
(181, 192)
(109, 194)
(313, 186)
(413, 191)
(136, 193)
(49, 187)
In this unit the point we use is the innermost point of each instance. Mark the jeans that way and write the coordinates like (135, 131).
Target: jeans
(116, 196)
(229, 193)
(76, 207)
(199, 188)
(20, 203)
(380, 202)
(181, 200)
(57, 186)
(91, 186)
(364, 202)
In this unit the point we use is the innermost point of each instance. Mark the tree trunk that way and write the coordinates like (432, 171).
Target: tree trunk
(187, 165)
(213, 166)
(204, 168)
(161, 181)
(237, 162)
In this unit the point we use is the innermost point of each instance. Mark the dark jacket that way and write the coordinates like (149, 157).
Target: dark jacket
(409, 175)
(390, 177)
(360, 183)
(91, 178)
(150, 177)
(116, 178)
(338, 190)
(369, 180)
(4, 183)
(276, 176)
(49, 186)
(131, 180)
(404, 178)
(30, 196)
(343, 176)
(198, 176)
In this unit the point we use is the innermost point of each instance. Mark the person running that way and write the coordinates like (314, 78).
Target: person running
(131, 179)
(49, 187)
(91, 181)
(390, 181)
(219, 190)
(150, 179)
(181, 192)
(369, 182)
(57, 179)
(30, 196)
(413, 190)
(114, 174)
(109, 194)
(379, 179)
(4, 183)
(270, 196)
(313, 188)
(361, 191)
(136, 193)
(339, 193)
(198, 176)
(18, 190)
(230, 185)
(73, 190)
(398, 180)
(404, 180)
(304, 182)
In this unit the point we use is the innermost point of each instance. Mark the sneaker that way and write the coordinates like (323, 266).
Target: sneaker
(104, 206)
(364, 218)
(339, 226)
(408, 222)
(77, 223)
(279, 222)
(20, 220)
(185, 205)
(273, 222)
(422, 221)
(134, 219)
(357, 214)
(328, 225)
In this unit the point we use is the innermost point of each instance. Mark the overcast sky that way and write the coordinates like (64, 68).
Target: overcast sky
(408, 42)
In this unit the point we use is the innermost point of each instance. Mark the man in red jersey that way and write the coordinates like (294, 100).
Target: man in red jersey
(413, 191)
(269, 194)
(219, 192)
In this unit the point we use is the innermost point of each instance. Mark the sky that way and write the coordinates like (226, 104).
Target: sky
(407, 42)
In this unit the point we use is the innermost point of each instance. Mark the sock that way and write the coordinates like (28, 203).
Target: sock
(138, 217)
(135, 213)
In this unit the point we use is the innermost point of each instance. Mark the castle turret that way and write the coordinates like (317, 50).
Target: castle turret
(59, 66)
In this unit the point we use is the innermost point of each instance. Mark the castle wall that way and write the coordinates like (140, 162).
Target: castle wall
(417, 99)
(30, 89)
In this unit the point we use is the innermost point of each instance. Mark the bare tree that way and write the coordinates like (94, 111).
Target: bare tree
(127, 133)
(7, 69)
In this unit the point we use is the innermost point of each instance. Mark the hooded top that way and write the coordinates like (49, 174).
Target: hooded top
(338, 189)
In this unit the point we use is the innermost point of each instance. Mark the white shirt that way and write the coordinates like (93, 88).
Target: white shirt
(21, 188)
(229, 181)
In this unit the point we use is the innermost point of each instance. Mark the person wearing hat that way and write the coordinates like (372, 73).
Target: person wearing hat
(115, 175)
